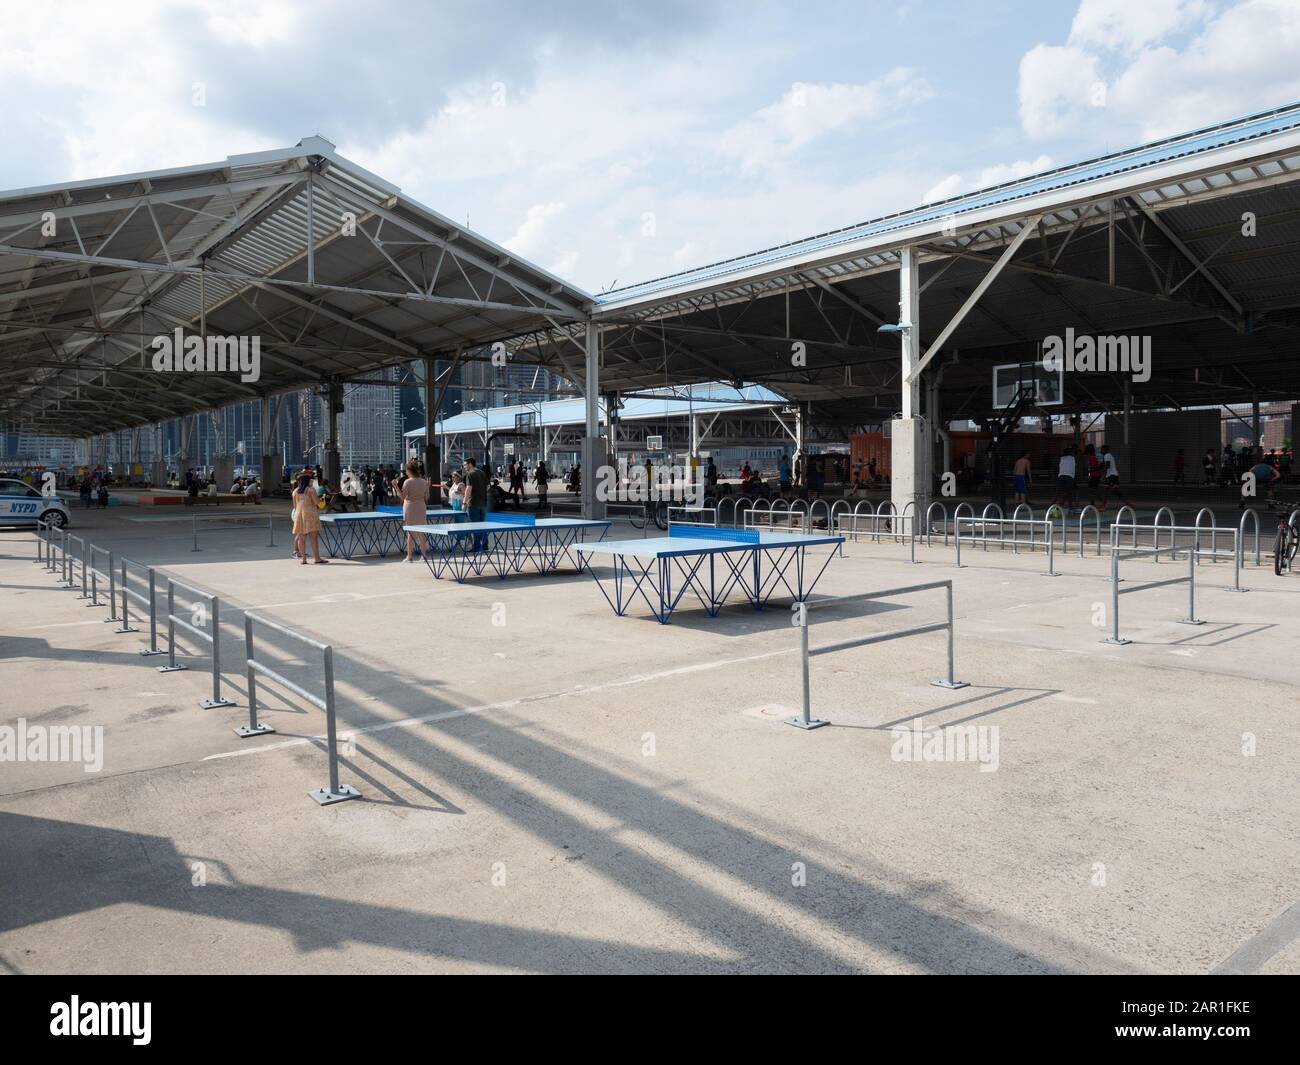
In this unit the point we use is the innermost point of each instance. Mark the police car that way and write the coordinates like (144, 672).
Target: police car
(21, 504)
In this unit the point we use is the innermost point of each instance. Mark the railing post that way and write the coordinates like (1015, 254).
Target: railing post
(337, 792)
(1191, 590)
(216, 700)
(126, 609)
(1114, 637)
(1051, 538)
(196, 533)
(153, 648)
(805, 720)
(956, 532)
(112, 591)
(949, 682)
(270, 527)
(94, 578)
(171, 666)
(85, 547)
(252, 728)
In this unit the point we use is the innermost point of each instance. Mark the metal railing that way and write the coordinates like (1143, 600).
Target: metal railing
(213, 637)
(1116, 554)
(334, 792)
(1048, 541)
(806, 721)
(150, 600)
(232, 523)
(94, 551)
(693, 516)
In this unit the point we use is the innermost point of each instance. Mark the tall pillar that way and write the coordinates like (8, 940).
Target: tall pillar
(594, 449)
(1256, 429)
(432, 451)
(908, 437)
(270, 459)
(334, 407)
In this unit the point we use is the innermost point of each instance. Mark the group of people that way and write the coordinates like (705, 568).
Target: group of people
(93, 489)
(1232, 465)
(1101, 469)
(468, 491)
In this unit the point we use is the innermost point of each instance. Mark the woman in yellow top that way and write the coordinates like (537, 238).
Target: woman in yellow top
(306, 520)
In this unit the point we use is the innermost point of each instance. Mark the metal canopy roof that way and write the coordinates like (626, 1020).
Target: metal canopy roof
(1223, 309)
(703, 399)
(91, 271)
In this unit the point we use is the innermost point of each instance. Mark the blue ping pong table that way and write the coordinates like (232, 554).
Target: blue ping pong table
(506, 542)
(372, 532)
(710, 563)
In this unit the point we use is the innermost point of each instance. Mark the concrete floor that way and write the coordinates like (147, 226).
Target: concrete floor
(565, 791)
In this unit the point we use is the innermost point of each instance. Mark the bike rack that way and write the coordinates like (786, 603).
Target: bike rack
(805, 720)
(929, 527)
(1096, 528)
(1155, 535)
(1214, 533)
(700, 511)
(833, 523)
(214, 638)
(151, 600)
(802, 506)
(1237, 558)
(1015, 518)
(811, 509)
(1132, 517)
(880, 513)
(335, 792)
(956, 513)
(984, 518)
(1190, 580)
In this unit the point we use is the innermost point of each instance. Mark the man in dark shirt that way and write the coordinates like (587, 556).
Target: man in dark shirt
(476, 493)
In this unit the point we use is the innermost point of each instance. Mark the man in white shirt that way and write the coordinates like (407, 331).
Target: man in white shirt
(1109, 477)
(1065, 481)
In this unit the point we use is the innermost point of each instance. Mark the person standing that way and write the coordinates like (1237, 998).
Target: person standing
(306, 520)
(542, 477)
(476, 493)
(457, 491)
(1065, 482)
(1110, 474)
(1020, 478)
(1207, 466)
(414, 494)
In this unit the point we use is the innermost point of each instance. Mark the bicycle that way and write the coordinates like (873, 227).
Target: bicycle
(1288, 540)
(655, 510)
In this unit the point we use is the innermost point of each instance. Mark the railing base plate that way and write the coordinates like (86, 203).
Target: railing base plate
(952, 685)
(807, 726)
(325, 797)
(126, 628)
(261, 730)
(145, 652)
(214, 704)
(171, 669)
(1117, 643)
(1190, 621)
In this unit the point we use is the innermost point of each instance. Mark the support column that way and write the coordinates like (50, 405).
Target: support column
(270, 459)
(908, 437)
(334, 405)
(594, 447)
(432, 450)
(1256, 429)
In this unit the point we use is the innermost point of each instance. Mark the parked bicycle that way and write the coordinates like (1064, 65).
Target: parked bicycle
(1288, 540)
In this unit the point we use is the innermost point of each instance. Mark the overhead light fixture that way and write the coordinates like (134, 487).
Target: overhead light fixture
(896, 327)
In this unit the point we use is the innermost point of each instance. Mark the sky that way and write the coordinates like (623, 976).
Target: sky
(616, 142)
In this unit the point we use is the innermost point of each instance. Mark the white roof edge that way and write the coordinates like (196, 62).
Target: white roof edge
(1121, 183)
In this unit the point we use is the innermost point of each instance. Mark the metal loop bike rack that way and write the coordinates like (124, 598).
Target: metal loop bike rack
(1096, 529)
(1213, 529)
(214, 638)
(334, 792)
(1155, 535)
(705, 515)
(1015, 520)
(1237, 555)
(805, 720)
(809, 524)
(880, 513)
(1132, 517)
(1116, 554)
(956, 513)
(984, 516)
(929, 527)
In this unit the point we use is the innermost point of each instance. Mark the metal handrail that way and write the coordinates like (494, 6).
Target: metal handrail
(335, 792)
(95, 573)
(1045, 523)
(701, 511)
(805, 720)
(151, 601)
(214, 638)
(239, 522)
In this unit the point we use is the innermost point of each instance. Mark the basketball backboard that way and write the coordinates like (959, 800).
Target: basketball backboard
(1046, 387)
(526, 422)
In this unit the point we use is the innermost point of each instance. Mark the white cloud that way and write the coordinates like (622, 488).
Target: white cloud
(1166, 66)
(955, 184)
(807, 112)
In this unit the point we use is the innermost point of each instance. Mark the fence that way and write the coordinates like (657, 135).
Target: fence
(806, 721)
(693, 516)
(232, 524)
(1117, 554)
(335, 792)
(151, 601)
(214, 637)
(1001, 523)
